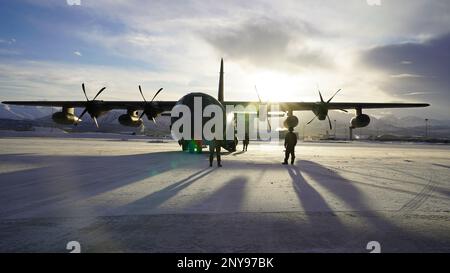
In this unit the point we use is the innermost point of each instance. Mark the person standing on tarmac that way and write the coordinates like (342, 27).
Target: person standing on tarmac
(245, 142)
(290, 140)
(214, 146)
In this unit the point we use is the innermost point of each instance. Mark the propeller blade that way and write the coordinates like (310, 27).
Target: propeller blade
(84, 91)
(140, 90)
(99, 92)
(257, 94)
(311, 120)
(156, 94)
(321, 98)
(343, 110)
(82, 114)
(95, 120)
(333, 96)
(143, 113)
(329, 122)
(259, 98)
(154, 121)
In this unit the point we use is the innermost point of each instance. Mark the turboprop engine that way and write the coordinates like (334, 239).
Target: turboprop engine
(130, 119)
(361, 120)
(66, 116)
(290, 121)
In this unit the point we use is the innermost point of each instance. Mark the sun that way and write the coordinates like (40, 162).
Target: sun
(275, 86)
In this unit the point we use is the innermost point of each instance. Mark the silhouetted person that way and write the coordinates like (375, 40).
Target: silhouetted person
(183, 144)
(290, 140)
(245, 142)
(214, 146)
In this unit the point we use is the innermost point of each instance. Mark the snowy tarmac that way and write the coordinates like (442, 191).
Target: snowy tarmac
(136, 196)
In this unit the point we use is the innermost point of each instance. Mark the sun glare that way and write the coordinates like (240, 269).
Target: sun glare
(273, 86)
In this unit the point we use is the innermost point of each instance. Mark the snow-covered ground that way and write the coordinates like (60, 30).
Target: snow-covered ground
(140, 195)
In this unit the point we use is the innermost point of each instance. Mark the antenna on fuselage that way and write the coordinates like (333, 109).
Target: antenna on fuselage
(220, 93)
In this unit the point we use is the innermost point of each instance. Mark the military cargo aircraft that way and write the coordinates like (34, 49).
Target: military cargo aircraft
(153, 108)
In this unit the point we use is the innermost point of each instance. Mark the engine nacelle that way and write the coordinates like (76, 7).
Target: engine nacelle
(359, 121)
(65, 117)
(291, 121)
(131, 121)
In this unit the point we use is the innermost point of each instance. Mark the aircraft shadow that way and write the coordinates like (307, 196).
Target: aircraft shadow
(377, 223)
(64, 179)
(441, 165)
(315, 205)
(152, 201)
(227, 199)
(238, 153)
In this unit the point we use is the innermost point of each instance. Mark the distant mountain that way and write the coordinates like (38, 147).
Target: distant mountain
(406, 126)
(23, 112)
(110, 123)
(25, 117)
(412, 121)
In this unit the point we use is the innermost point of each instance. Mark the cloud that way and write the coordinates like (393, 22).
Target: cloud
(7, 47)
(429, 58)
(289, 45)
(418, 93)
(406, 76)
(9, 52)
(27, 80)
(78, 53)
(268, 43)
(427, 69)
(73, 2)
(373, 2)
(8, 41)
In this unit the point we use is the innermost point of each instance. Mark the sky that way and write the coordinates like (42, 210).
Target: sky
(374, 50)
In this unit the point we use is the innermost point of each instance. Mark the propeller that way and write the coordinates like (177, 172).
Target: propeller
(325, 105)
(259, 98)
(329, 122)
(89, 103)
(148, 109)
(328, 101)
(311, 120)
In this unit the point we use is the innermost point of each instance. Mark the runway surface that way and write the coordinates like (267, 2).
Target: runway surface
(135, 196)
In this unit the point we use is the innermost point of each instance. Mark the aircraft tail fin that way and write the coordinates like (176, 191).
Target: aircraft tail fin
(220, 94)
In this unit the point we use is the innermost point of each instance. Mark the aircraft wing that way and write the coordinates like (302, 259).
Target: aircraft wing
(373, 105)
(308, 106)
(137, 105)
(168, 105)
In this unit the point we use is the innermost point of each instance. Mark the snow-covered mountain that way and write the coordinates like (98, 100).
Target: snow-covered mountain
(410, 125)
(413, 121)
(41, 116)
(24, 112)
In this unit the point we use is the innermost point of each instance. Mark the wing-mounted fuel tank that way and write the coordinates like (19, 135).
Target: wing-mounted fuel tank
(130, 119)
(66, 116)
